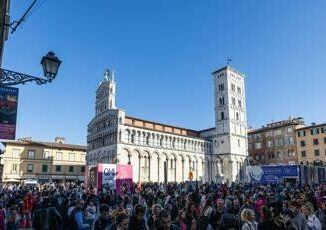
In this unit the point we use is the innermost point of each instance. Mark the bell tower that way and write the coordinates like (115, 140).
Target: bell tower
(105, 94)
(230, 142)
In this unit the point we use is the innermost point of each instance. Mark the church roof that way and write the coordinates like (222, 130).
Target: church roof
(228, 67)
(44, 144)
(159, 127)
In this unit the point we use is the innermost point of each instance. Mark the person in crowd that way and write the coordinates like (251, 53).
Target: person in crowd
(248, 218)
(152, 220)
(13, 218)
(321, 213)
(313, 222)
(47, 217)
(77, 217)
(191, 217)
(298, 220)
(164, 221)
(137, 220)
(2, 217)
(206, 213)
(260, 202)
(90, 213)
(181, 220)
(105, 220)
(121, 222)
(119, 209)
(218, 214)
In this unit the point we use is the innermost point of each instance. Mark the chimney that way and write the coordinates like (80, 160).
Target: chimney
(59, 140)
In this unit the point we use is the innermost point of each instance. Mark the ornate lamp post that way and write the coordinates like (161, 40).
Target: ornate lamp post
(50, 65)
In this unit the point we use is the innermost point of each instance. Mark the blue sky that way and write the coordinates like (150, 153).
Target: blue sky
(163, 53)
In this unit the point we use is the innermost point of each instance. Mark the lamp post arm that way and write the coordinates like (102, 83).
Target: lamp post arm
(9, 78)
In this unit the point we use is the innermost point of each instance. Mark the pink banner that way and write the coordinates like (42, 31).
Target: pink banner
(123, 179)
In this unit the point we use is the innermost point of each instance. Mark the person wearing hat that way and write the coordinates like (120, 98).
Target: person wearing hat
(312, 221)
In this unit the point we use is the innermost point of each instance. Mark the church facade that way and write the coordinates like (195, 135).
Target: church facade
(164, 153)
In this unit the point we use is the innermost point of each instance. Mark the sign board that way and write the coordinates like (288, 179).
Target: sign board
(123, 179)
(8, 112)
(321, 175)
(111, 176)
(106, 174)
(272, 174)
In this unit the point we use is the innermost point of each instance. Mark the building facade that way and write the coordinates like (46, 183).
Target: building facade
(230, 140)
(43, 161)
(165, 153)
(311, 144)
(275, 143)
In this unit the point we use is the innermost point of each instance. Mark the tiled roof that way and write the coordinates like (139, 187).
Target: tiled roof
(45, 144)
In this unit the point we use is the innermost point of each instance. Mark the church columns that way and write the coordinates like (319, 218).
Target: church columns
(135, 157)
(154, 167)
(172, 167)
(175, 169)
(196, 169)
(186, 165)
(139, 168)
(179, 168)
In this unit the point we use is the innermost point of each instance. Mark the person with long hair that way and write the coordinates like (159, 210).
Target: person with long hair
(248, 218)
(312, 221)
(191, 217)
(181, 220)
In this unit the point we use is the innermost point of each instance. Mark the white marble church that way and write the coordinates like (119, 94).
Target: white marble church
(165, 153)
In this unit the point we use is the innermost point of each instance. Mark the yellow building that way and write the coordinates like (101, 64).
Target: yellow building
(311, 143)
(43, 161)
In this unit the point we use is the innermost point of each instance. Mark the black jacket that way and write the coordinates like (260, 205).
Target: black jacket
(136, 225)
(101, 223)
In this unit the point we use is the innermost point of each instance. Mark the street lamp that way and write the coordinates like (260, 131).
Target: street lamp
(50, 64)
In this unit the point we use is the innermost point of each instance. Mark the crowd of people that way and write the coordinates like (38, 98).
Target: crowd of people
(184, 206)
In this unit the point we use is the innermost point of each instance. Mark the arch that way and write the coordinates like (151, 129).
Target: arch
(154, 166)
(172, 167)
(145, 166)
(208, 169)
(201, 168)
(164, 166)
(135, 162)
(125, 156)
(195, 167)
(187, 166)
(180, 168)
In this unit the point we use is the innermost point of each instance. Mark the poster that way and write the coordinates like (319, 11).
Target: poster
(123, 179)
(321, 175)
(110, 176)
(272, 174)
(8, 112)
(106, 174)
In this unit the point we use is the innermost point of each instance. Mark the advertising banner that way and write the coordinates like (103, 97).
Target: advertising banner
(123, 179)
(8, 112)
(106, 174)
(272, 174)
(321, 175)
(110, 176)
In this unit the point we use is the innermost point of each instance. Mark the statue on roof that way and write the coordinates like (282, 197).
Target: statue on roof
(109, 75)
